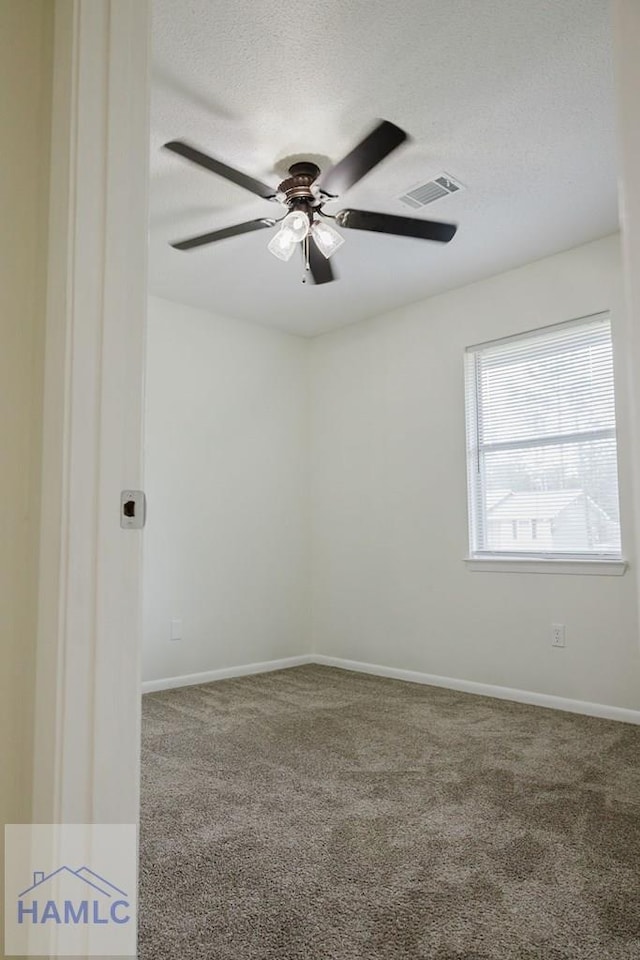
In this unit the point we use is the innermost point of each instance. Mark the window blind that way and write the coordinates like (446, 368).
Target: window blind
(541, 444)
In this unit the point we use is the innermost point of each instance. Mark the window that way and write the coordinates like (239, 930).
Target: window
(541, 444)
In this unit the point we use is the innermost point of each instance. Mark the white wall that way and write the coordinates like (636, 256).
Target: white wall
(226, 543)
(25, 117)
(389, 498)
(371, 569)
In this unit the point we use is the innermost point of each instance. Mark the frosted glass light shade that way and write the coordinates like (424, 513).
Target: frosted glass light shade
(281, 245)
(296, 225)
(326, 237)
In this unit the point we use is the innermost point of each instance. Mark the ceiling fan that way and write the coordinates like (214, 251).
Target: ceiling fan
(304, 194)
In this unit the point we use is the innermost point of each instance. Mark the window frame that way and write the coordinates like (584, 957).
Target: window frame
(530, 561)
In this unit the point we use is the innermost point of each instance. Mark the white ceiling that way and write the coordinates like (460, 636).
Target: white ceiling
(512, 97)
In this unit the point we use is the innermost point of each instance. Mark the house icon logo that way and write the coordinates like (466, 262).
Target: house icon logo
(72, 898)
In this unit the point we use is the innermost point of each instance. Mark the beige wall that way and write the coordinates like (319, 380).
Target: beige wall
(25, 69)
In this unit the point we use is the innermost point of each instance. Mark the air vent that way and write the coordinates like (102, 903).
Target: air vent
(441, 186)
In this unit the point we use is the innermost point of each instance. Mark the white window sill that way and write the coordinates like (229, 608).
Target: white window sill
(597, 568)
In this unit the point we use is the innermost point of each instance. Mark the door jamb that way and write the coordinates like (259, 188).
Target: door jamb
(86, 750)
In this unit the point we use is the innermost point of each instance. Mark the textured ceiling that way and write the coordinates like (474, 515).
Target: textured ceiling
(512, 97)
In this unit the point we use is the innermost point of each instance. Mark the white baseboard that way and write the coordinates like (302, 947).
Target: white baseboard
(602, 710)
(190, 679)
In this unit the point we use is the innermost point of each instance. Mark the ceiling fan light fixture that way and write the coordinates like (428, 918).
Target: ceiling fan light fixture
(327, 239)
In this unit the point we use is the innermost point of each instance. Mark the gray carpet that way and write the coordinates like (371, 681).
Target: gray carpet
(316, 814)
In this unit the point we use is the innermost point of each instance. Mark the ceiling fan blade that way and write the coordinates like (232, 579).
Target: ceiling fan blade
(400, 226)
(222, 169)
(382, 140)
(223, 234)
(319, 267)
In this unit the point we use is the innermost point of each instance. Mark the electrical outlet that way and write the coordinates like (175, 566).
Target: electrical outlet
(175, 632)
(557, 635)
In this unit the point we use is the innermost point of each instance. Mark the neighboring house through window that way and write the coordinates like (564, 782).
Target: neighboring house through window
(541, 444)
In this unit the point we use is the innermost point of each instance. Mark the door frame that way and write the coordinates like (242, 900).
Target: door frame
(86, 749)
(626, 37)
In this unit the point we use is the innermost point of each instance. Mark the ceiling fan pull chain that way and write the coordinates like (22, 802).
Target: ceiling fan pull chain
(305, 258)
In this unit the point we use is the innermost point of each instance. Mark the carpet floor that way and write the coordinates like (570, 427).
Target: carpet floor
(317, 814)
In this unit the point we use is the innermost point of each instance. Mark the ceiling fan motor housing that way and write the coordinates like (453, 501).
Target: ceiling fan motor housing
(297, 190)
